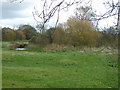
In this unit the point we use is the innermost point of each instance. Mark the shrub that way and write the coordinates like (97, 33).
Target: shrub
(20, 44)
(34, 47)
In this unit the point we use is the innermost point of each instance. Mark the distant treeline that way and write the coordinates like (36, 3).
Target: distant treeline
(74, 32)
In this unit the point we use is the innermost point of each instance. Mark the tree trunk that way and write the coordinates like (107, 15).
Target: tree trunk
(118, 21)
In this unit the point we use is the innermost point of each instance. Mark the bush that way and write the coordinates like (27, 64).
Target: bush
(19, 44)
(41, 39)
(33, 47)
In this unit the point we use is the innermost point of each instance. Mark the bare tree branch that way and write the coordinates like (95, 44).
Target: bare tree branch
(118, 20)
(112, 11)
(16, 0)
(49, 10)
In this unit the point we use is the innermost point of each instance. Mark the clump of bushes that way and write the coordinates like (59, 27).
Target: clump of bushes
(22, 44)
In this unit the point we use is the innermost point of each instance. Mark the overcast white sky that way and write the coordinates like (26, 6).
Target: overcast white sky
(15, 13)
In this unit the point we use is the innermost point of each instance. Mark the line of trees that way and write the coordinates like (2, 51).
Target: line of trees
(24, 32)
(74, 32)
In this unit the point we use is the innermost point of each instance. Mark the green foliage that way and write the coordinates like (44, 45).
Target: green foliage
(81, 32)
(29, 31)
(109, 37)
(20, 35)
(41, 39)
(75, 32)
(25, 32)
(59, 36)
(49, 33)
(4, 30)
(8, 34)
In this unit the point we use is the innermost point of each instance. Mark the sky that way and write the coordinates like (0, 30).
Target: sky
(15, 13)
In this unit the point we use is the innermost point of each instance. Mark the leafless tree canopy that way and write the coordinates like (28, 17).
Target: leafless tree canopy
(52, 7)
(112, 10)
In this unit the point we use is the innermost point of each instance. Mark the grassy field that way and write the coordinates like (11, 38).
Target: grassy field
(59, 69)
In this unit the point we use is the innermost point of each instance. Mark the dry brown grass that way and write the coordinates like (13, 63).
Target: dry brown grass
(56, 47)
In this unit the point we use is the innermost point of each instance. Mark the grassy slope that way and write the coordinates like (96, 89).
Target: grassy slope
(51, 69)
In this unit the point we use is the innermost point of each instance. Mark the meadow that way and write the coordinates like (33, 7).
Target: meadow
(95, 68)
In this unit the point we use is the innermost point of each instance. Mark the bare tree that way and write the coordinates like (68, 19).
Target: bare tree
(112, 10)
(50, 8)
(84, 13)
(118, 20)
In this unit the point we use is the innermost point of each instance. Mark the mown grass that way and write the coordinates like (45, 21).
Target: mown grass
(59, 69)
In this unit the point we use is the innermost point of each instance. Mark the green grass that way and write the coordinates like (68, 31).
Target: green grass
(59, 69)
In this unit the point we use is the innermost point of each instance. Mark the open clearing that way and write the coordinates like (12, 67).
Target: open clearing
(59, 69)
